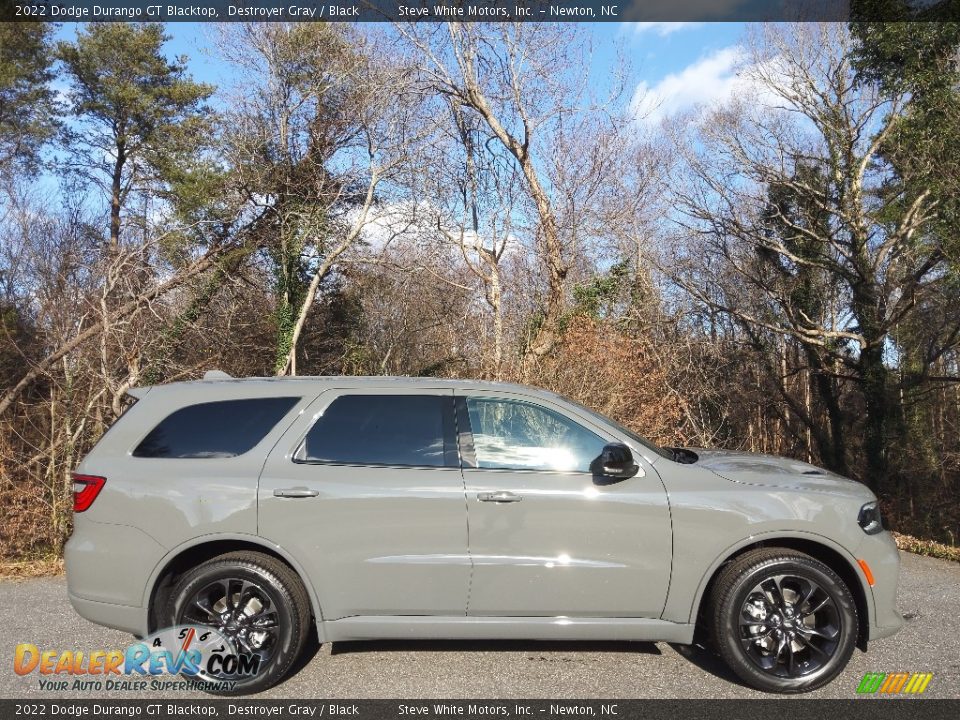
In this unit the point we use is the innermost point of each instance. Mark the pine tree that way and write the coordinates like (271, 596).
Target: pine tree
(27, 107)
(136, 110)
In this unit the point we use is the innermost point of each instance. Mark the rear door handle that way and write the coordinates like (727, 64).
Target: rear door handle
(500, 496)
(295, 492)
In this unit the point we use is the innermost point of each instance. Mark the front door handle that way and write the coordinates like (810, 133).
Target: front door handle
(500, 496)
(295, 492)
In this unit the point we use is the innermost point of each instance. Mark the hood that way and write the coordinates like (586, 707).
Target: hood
(774, 471)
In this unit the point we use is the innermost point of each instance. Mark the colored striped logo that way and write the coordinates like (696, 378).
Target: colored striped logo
(895, 683)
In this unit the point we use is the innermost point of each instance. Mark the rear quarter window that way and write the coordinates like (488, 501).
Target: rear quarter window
(220, 429)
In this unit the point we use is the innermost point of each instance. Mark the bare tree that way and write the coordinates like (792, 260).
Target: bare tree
(320, 121)
(386, 120)
(516, 80)
(792, 232)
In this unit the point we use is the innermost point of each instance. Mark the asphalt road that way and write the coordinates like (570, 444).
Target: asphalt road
(38, 611)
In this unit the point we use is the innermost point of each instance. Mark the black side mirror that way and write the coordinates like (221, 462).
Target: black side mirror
(615, 463)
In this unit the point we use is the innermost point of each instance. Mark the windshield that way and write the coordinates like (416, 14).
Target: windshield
(639, 439)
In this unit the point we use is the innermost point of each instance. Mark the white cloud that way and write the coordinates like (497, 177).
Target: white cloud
(710, 81)
(662, 28)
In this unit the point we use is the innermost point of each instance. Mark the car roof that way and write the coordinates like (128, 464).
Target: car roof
(222, 381)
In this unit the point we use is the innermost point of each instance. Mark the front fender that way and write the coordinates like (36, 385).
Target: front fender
(714, 518)
(688, 613)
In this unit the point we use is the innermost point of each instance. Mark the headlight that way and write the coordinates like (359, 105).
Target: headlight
(869, 519)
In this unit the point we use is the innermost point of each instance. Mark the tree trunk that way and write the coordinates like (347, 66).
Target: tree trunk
(115, 195)
(832, 445)
(545, 337)
(496, 304)
(874, 387)
(290, 362)
(869, 310)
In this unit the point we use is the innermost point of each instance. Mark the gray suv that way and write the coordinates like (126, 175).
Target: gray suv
(373, 507)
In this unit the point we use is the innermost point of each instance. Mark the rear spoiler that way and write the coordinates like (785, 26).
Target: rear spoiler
(138, 392)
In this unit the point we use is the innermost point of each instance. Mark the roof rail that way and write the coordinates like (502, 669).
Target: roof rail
(216, 375)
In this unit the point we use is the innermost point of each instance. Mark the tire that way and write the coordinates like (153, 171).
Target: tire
(783, 621)
(270, 609)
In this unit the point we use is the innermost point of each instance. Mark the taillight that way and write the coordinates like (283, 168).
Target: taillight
(85, 490)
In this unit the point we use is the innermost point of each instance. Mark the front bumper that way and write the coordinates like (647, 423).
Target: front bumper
(878, 632)
(881, 554)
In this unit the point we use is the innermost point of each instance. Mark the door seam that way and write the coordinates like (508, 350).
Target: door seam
(466, 503)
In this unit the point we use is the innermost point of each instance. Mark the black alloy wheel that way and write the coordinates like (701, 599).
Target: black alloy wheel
(242, 611)
(258, 604)
(789, 626)
(782, 620)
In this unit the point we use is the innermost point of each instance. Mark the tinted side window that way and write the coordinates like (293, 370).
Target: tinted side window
(412, 430)
(509, 434)
(219, 429)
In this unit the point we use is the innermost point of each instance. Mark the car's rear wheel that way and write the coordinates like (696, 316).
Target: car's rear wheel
(783, 621)
(256, 603)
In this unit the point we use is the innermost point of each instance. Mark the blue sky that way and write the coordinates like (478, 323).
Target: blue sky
(679, 63)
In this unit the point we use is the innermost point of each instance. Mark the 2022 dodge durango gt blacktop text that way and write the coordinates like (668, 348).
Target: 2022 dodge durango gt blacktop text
(422, 508)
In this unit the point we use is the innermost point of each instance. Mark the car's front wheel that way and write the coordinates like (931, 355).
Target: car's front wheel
(783, 621)
(258, 605)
